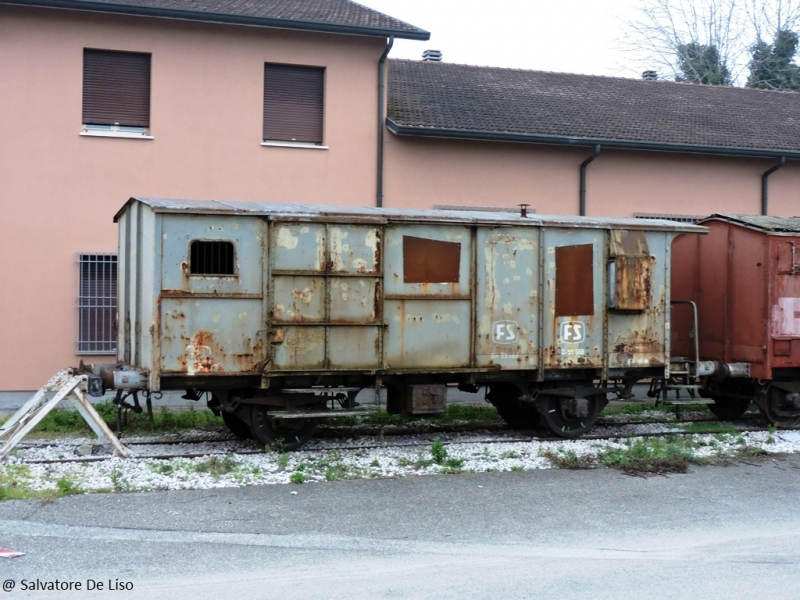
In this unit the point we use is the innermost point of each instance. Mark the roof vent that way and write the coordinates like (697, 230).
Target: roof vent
(432, 56)
(650, 75)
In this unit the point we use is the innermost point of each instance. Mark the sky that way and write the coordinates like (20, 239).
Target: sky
(572, 36)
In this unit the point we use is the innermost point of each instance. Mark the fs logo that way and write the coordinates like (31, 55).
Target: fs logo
(573, 332)
(504, 332)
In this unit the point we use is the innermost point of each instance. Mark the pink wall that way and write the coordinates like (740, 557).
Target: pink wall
(60, 190)
(421, 172)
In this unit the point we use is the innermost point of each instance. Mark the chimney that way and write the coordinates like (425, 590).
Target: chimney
(650, 75)
(432, 56)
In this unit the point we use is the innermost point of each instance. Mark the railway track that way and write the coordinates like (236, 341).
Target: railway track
(217, 446)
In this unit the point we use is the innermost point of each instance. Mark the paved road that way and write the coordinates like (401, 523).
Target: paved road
(717, 532)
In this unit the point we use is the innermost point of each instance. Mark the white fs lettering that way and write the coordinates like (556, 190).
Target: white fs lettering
(504, 332)
(573, 332)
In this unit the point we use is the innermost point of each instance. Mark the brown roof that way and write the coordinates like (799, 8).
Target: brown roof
(335, 16)
(448, 100)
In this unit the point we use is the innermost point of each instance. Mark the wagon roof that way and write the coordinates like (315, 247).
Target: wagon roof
(385, 215)
(761, 223)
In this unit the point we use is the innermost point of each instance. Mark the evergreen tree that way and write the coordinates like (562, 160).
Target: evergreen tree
(771, 65)
(701, 63)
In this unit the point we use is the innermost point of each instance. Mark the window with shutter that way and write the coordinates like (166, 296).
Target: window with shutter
(293, 103)
(97, 304)
(116, 90)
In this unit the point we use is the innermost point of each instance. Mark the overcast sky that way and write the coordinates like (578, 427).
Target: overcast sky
(573, 36)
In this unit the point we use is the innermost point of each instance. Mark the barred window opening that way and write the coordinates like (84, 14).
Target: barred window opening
(97, 304)
(212, 258)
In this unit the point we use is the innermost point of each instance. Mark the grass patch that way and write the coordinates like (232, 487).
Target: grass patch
(661, 455)
(216, 466)
(297, 477)
(67, 487)
(471, 413)
(750, 451)
(70, 421)
(568, 459)
(710, 428)
(634, 408)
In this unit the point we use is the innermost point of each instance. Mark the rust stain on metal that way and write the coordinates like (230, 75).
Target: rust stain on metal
(574, 280)
(430, 261)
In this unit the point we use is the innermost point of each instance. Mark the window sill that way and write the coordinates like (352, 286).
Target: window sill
(131, 135)
(295, 145)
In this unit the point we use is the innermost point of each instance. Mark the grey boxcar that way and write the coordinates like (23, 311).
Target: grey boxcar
(280, 312)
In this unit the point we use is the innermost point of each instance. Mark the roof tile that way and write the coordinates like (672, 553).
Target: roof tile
(465, 98)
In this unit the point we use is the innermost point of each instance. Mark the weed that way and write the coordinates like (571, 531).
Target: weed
(283, 460)
(297, 477)
(375, 463)
(652, 455)
(700, 427)
(517, 468)
(468, 412)
(119, 482)
(438, 452)
(567, 459)
(216, 466)
(509, 454)
(751, 451)
(771, 435)
(67, 486)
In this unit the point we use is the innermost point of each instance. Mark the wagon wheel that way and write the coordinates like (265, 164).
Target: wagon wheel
(768, 410)
(504, 397)
(288, 434)
(237, 426)
(731, 400)
(560, 417)
(729, 409)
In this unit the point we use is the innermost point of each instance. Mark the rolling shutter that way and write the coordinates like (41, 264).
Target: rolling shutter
(293, 103)
(116, 88)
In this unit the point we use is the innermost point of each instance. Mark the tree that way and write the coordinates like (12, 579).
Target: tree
(701, 64)
(698, 41)
(771, 65)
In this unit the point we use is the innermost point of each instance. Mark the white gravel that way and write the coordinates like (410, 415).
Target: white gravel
(224, 464)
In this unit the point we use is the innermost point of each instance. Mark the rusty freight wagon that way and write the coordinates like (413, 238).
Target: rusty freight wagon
(744, 278)
(279, 314)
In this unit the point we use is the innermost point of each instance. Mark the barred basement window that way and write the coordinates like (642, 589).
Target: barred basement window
(211, 258)
(97, 304)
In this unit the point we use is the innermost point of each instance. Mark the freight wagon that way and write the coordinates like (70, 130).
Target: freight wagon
(279, 314)
(744, 278)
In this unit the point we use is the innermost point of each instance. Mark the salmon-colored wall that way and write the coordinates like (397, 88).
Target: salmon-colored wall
(59, 190)
(421, 172)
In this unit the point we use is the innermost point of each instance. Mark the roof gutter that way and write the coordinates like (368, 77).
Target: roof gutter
(584, 164)
(765, 184)
(494, 136)
(381, 118)
(209, 17)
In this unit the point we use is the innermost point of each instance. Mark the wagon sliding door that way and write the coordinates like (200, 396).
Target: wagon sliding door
(428, 297)
(326, 296)
(573, 311)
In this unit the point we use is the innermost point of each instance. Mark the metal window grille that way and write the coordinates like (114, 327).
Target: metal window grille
(668, 217)
(211, 258)
(97, 304)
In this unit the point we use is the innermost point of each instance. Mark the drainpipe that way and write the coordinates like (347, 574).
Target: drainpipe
(381, 119)
(765, 184)
(584, 164)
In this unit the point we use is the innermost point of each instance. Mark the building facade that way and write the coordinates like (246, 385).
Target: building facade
(283, 101)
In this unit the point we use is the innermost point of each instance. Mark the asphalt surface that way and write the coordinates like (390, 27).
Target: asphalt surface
(716, 532)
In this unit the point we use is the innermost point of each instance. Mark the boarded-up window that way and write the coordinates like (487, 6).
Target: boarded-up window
(116, 88)
(212, 258)
(574, 280)
(97, 304)
(293, 103)
(430, 261)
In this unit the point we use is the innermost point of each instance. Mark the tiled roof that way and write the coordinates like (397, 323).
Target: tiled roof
(449, 100)
(340, 16)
